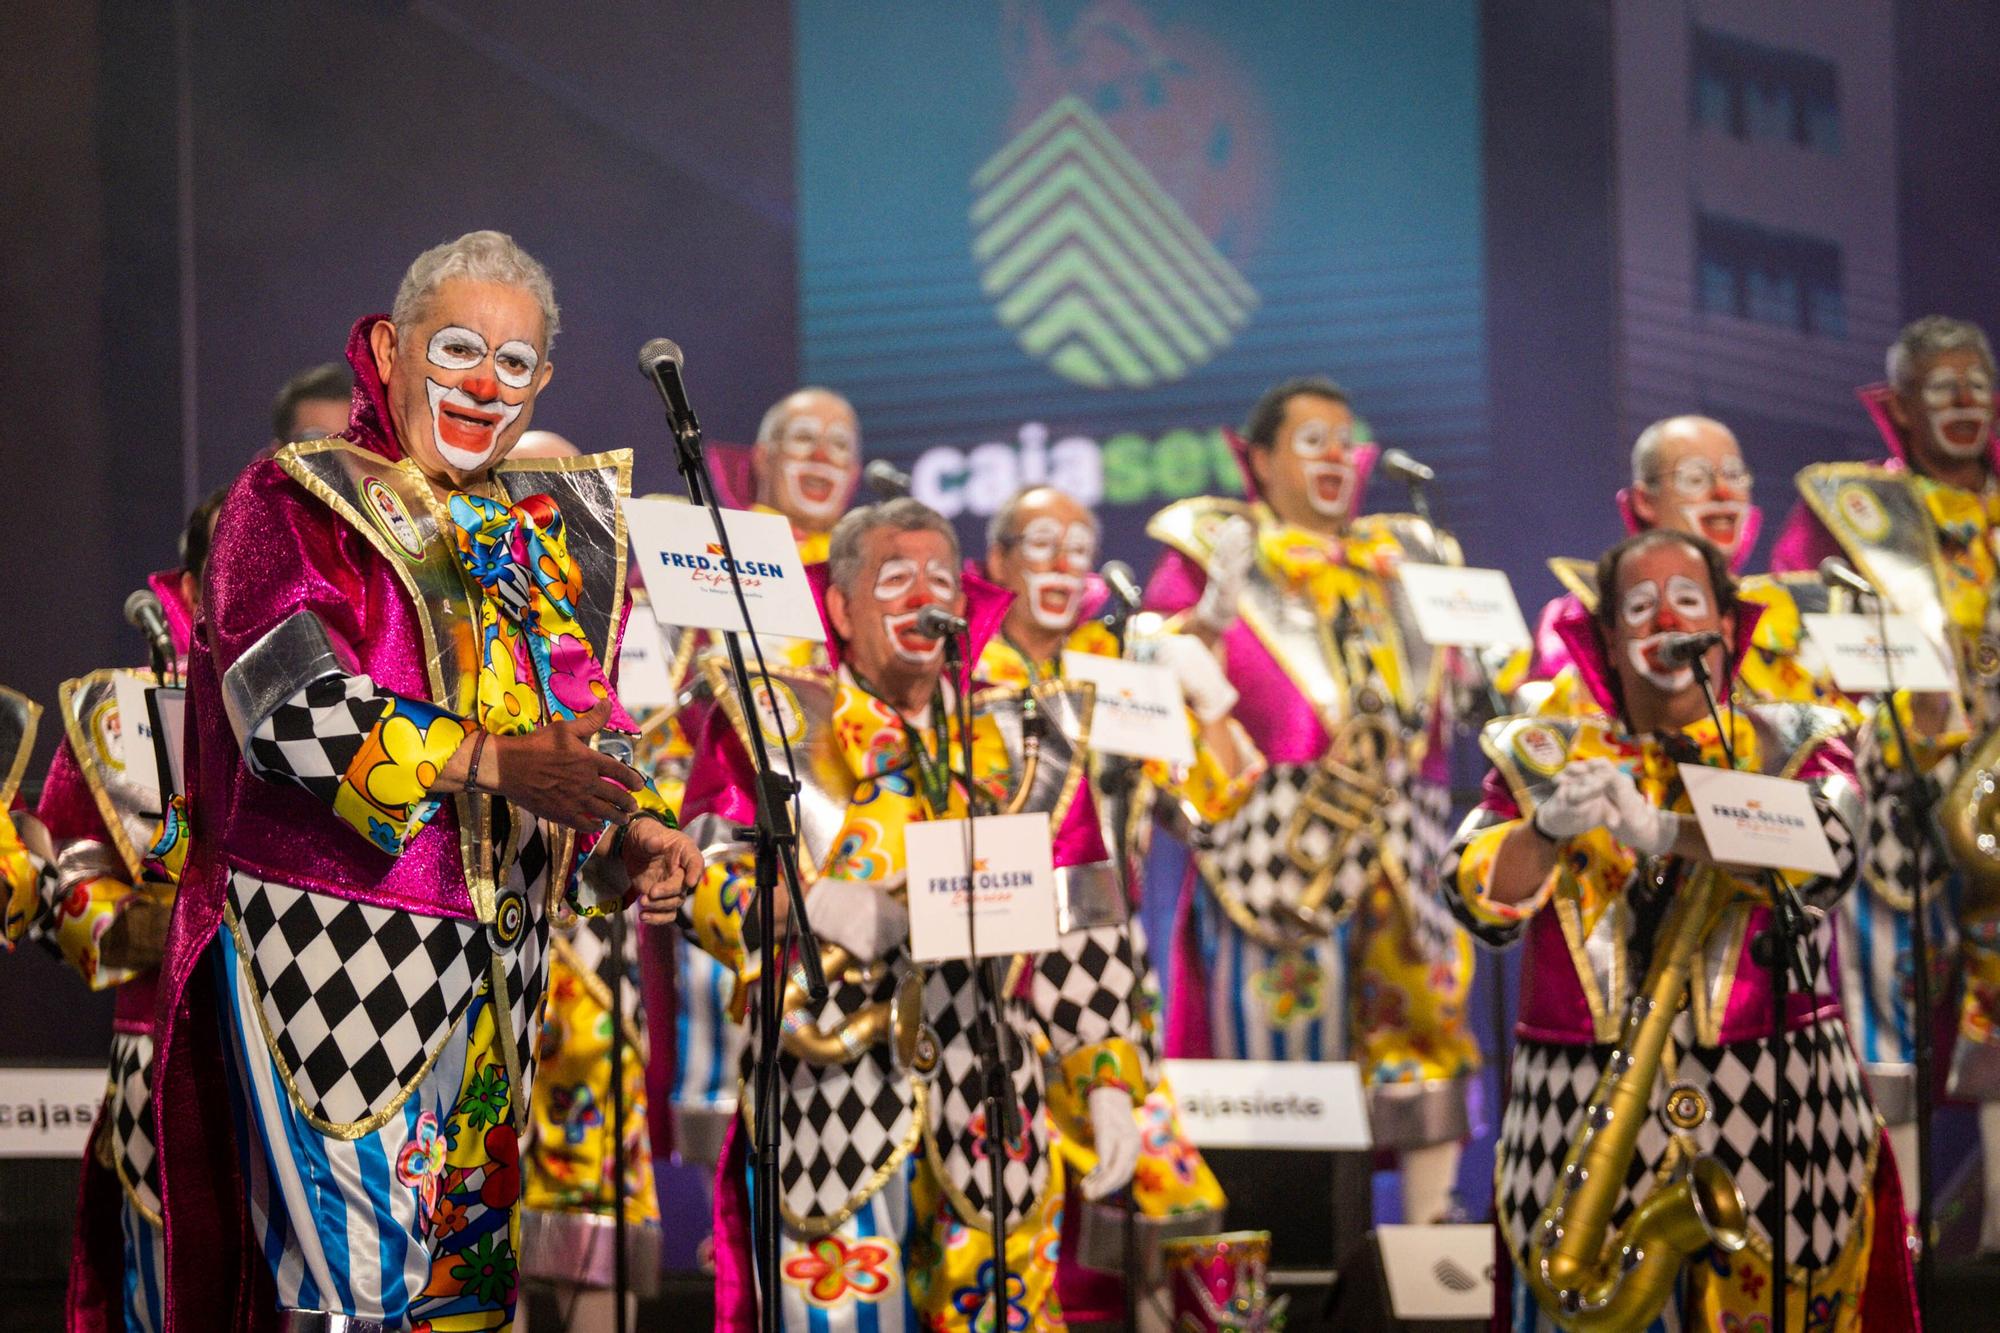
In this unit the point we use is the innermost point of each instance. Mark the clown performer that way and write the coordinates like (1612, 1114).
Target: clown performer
(805, 466)
(104, 907)
(392, 696)
(882, 1169)
(1688, 475)
(1638, 942)
(1309, 930)
(1042, 546)
(1921, 525)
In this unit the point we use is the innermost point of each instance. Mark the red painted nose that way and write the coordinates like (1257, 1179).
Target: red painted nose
(483, 387)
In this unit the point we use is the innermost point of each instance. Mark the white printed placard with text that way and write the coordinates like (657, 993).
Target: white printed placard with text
(687, 576)
(1464, 608)
(643, 678)
(1138, 712)
(1272, 1104)
(48, 1112)
(1753, 819)
(1869, 654)
(135, 734)
(1013, 880)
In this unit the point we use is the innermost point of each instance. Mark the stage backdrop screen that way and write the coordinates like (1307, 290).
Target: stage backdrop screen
(1072, 242)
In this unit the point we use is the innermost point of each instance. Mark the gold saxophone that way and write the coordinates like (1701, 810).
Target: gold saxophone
(898, 1020)
(1349, 794)
(1971, 821)
(1582, 1274)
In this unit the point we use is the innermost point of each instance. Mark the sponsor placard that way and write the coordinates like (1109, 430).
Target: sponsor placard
(168, 719)
(1868, 654)
(48, 1112)
(1138, 712)
(1464, 608)
(1752, 819)
(687, 576)
(643, 681)
(136, 744)
(1271, 1104)
(1438, 1272)
(1012, 879)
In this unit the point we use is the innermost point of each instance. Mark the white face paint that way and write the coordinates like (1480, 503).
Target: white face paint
(1721, 521)
(466, 430)
(816, 464)
(1690, 602)
(895, 581)
(1055, 591)
(1960, 432)
(1329, 477)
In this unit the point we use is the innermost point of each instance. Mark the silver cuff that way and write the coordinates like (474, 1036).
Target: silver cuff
(602, 880)
(86, 859)
(580, 1250)
(1100, 1238)
(700, 1130)
(293, 655)
(321, 1321)
(1418, 1115)
(1975, 1071)
(1894, 1090)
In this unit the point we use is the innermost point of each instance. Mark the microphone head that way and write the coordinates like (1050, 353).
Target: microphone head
(142, 602)
(934, 622)
(656, 351)
(1837, 573)
(886, 479)
(1117, 576)
(1400, 464)
(1684, 649)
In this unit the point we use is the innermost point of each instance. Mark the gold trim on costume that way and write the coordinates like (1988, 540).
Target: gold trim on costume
(87, 694)
(30, 714)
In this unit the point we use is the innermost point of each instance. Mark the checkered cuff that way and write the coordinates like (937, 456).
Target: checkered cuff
(1085, 989)
(1468, 866)
(370, 754)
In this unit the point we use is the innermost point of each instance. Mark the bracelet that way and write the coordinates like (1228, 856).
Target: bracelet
(618, 838)
(472, 768)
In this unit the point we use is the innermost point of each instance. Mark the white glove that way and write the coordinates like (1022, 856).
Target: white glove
(1637, 822)
(1116, 1132)
(1209, 695)
(1578, 805)
(860, 917)
(1228, 567)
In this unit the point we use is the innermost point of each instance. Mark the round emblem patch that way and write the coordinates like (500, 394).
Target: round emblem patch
(1986, 658)
(1540, 748)
(510, 917)
(104, 734)
(1863, 512)
(778, 707)
(387, 510)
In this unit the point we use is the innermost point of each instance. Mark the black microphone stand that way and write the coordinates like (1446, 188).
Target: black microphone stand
(621, 1272)
(989, 1032)
(1117, 618)
(1777, 950)
(774, 844)
(1917, 823)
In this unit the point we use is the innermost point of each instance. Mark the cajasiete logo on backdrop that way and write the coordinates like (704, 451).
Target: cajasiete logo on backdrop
(1092, 265)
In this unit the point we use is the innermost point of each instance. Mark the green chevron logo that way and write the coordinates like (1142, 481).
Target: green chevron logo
(1092, 265)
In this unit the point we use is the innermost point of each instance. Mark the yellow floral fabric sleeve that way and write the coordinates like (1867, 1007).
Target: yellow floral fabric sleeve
(22, 873)
(384, 793)
(1475, 871)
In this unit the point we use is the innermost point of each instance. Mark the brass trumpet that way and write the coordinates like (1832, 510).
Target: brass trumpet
(1348, 793)
(898, 1020)
(1585, 1278)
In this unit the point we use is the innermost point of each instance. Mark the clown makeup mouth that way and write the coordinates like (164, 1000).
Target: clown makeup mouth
(466, 432)
(816, 488)
(910, 645)
(1720, 521)
(1962, 432)
(1054, 598)
(1329, 487)
(1642, 652)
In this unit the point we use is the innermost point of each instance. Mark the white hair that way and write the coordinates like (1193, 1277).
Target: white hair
(482, 256)
(1925, 340)
(778, 413)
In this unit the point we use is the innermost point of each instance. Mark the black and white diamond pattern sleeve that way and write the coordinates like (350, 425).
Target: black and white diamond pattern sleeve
(1085, 990)
(310, 739)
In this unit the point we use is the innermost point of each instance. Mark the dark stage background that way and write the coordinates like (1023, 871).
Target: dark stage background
(1066, 238)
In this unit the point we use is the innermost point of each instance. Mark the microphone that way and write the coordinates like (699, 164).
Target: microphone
(886, 479)
(1406, 469)
(1117, 576)
(934, 622)
(144, 613)
(660, 362)
(1837, 573)
(1679, 650)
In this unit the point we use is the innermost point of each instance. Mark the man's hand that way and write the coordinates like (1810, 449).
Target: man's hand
(1228, 569)
(664, 864)
(553, 772)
